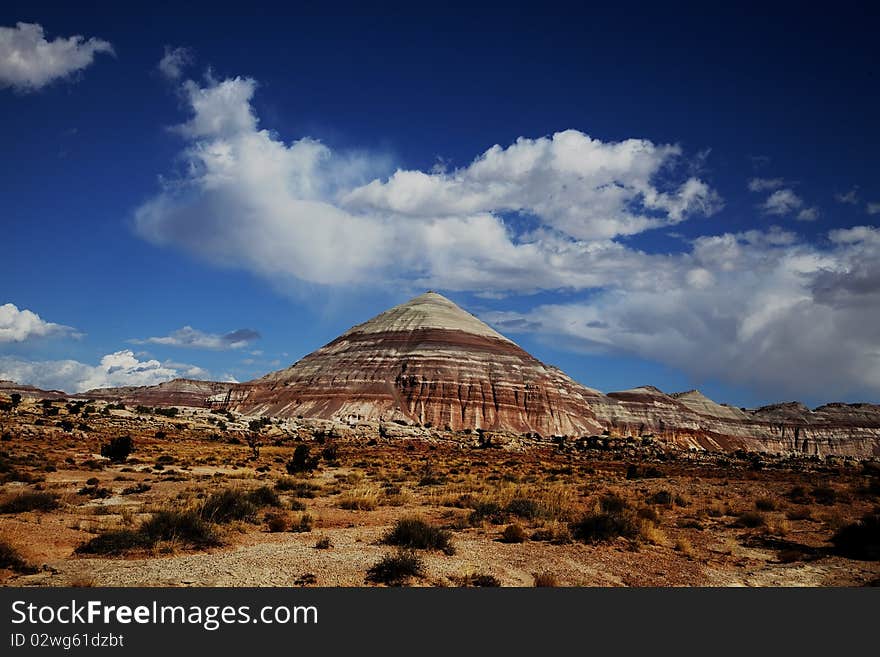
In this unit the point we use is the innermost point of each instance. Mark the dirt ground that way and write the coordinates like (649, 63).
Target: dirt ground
(692, 523)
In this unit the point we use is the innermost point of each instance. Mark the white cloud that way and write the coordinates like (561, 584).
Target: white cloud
(785, 201)
(174, 61)
(530, 215)
(29, 62)
(872, 208)
(782, 202)
(21, 325)
(765, 184)
(756, 309)
(851, 197)
(808, 214)
(196, 339)
(579, 186)
(121, 368)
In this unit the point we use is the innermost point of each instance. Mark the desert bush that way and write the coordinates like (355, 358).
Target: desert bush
(228, 505)
(605, 526)
(30, 501)
(11, 559)
(798, 494)
(612, 504)
(264, 496)
(92, 481)
(513, 534)
(297, 505)
(278, 522)
(765, 504)
(859, 540)
(118, 449)
(556, 532)
(801, 513)
(684, 546)
(417, 534)
(824, 495)
(297, 488)
(115, 542)
(302, 461)
(648, 513)
(137, 488)
(523, 508)
(476, 580)
(303, 525)
(635, 472)
(397, 569)
(323, 543)
(95, 492)
(750, 519)
(490, 511)
(545, 579)
(183, 526)
(662, 497)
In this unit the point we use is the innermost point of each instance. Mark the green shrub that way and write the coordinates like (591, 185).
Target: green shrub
(397, 569)
(30, 501)
(416, 534)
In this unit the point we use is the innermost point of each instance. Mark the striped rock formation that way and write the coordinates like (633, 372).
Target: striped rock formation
(426, 361)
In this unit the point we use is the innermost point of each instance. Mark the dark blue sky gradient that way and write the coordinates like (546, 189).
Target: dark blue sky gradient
(795, 86)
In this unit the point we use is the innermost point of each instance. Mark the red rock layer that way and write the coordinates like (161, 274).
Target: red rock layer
(431, 376)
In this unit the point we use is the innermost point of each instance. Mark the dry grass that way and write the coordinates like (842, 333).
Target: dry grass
(365, 498)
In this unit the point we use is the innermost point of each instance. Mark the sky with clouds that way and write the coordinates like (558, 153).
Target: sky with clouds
(678, 200)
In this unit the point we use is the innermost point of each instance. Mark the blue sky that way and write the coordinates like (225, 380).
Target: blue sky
(680, 197)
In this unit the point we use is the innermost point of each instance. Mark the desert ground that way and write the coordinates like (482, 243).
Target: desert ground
(210, 498)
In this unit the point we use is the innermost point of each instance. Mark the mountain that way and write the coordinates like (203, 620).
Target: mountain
(429, 362)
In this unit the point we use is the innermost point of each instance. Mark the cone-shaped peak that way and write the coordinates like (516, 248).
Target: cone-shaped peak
(427, 311)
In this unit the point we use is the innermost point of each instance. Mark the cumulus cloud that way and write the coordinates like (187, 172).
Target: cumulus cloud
(765, 184)
(784, 202)
(300, 210)
(21, 325)
(196, 339)
(872, 208)
(121, 368)
(28, 61)
(763, 309)
(808, 214)
(174, 62)
(781, 202)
